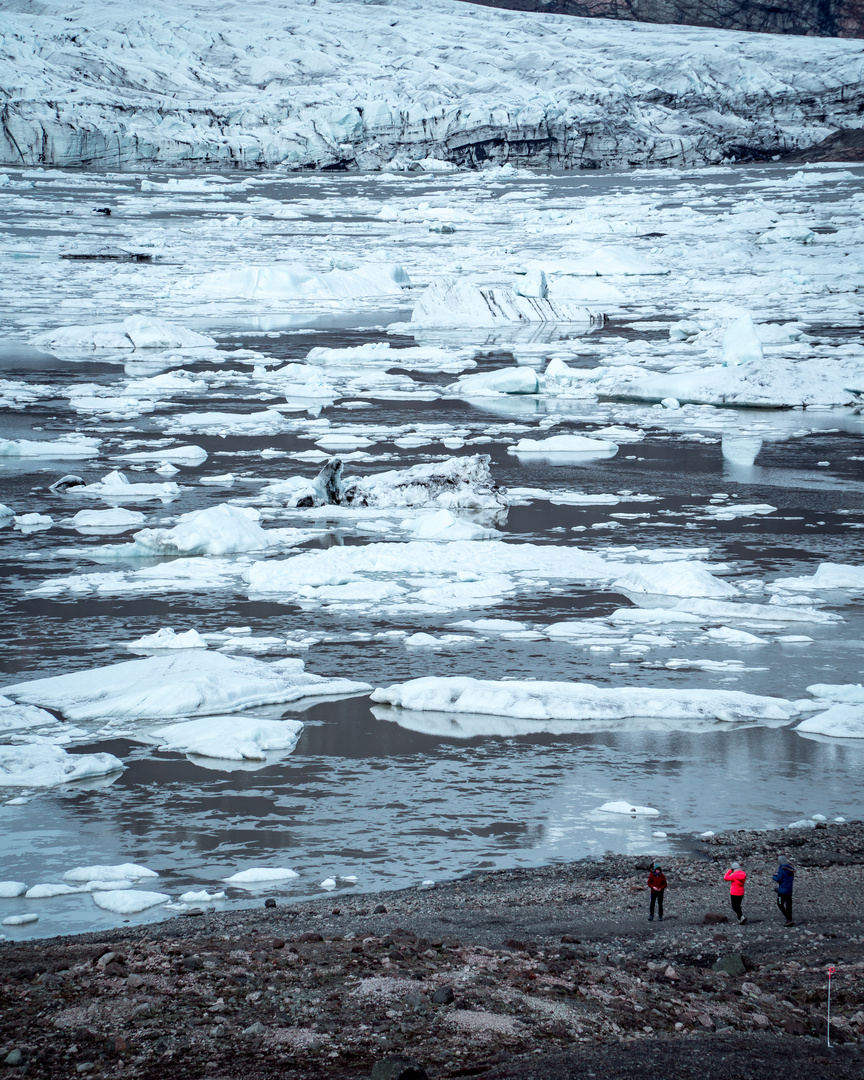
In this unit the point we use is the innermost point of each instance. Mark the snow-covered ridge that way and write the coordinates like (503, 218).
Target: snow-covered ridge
(348, 83)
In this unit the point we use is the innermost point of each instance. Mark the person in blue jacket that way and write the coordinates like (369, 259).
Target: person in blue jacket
(785, 878)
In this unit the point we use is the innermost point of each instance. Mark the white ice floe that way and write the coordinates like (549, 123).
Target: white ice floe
(727, 636)
(229, 738)
(50, 889)
(382, 354)
(202, 897)
(627, 808)
(838, 722)
(41, 765)
(578, 701)
(455, 302)
(674, 579)
(741, 344)
(174, 455)
(20, 920)
(77, 448)
(9, 889)
(116, 487)
(135, 332)
(441, 525)
(510, 380)
(842, 693)
(106, 522)
(219, 530)
(167, 638)
(262, 422)
(261, 875)
(711, 610)
(128, 901)
(186, 683)
(109, 872)
(329, 884)
(30, 523)
(291, 281)
(827, 576)
(565, 448)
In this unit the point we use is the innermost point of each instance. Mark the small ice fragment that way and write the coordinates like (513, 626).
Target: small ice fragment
(109, 873)
(659, 835)
(840, 820)
(706, 835)
(627, 808)
(20, 920)
(328, 883)
(42, 892)
(12, 888)
(670, 403)
(818, 817)
(202, 897)
(19, 801)
(260, 875)
(351, 879)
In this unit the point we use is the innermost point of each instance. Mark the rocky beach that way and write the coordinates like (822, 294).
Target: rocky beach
(520, 973)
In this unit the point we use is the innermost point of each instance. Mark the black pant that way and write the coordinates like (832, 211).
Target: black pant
(784, 902)
(657, 898)
(736, 904)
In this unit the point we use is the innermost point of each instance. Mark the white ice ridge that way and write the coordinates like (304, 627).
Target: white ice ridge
(188, 683)
(135, 332)
(344, 82)
(578, 701)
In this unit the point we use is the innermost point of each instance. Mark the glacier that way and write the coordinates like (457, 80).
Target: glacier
(351, 84)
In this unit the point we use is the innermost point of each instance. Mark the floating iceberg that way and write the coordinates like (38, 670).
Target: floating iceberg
(106, 872)
(296, 282)
(827, 576)
(569, 447)
(101, 522)
(16, 717)
(218, 530)
(136, 332)
(71, 449)
(166, 638)
(674, 579)
(578, 701)
(9, 889)
(512, 380)
(741, 344)
(174, 455)
(128, 901)
(184, 684)
(261, 875)
(230, 738)
(849, 693)
(442, 525)
(202, 897)
(839, 722)
(116, 487)
(39, 765)
(455, 302)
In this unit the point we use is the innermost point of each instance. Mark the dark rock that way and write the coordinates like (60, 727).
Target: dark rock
(398, 1068)
(277, 943)
(568, 939)
(255, 1029)
(379, 909)
(310, 935)
(115, 970)
(714, 918)
(513, 943)
(15, 1057)
(734, 964)
(192, 963)
(269, 902)
(48, 978)
(443, 995)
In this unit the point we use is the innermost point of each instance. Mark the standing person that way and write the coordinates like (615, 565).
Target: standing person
(736, 878)
(785, 878)
(657, 885)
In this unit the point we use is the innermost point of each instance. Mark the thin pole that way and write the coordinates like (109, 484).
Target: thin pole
(831, 971)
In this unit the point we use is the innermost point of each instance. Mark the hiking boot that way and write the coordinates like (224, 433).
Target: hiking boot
(650, 918)
(742, 920)
(789, 922)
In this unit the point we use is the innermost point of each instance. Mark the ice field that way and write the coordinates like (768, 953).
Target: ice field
(366, 530)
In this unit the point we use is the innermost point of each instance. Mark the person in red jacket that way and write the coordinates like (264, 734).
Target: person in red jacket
(736, 878)
(657, 885)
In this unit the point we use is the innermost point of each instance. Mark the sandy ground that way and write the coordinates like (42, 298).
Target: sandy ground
(542, 973)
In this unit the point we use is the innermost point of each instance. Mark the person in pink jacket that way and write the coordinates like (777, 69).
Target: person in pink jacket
(736, 878)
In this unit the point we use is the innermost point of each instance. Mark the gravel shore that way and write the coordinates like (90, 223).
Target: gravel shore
(540, 973)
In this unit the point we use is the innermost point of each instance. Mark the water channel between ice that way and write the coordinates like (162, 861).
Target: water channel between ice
(396, 797)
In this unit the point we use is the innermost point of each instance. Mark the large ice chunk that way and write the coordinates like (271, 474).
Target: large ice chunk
(76, 448)
(510, 380)
(578, 701)
(40, 765)
(128, 901)
(840, 722)
(741, 344)
(117, 488)
(261, 875)
(827, 576)
(628, 808)
(570, 447)
(136, 332)
(293, 281)
(674, 579)
(107, 872)
(218, 530)
(453, 302)
(231, 738)
(188, 683)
